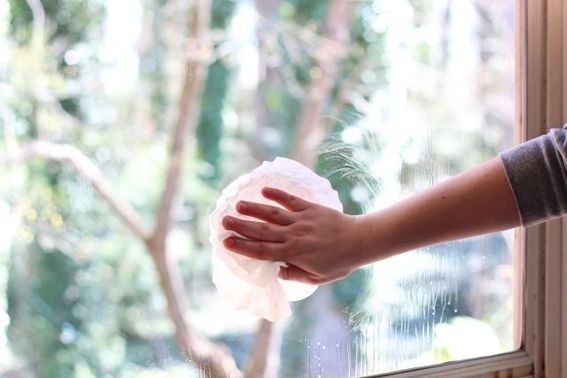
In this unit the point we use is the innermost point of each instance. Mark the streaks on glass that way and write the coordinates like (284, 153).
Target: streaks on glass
(423, 305)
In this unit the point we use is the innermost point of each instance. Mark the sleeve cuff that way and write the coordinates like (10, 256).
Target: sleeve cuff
(537, 173)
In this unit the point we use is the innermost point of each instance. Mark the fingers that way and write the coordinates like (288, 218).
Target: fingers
(254, 230)
(261, 250)
(255, 249)
(272, 214)
(285, 199)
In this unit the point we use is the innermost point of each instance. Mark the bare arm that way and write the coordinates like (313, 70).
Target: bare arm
(476, 202)
(322, 245)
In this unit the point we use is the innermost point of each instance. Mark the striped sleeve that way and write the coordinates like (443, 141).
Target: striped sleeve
(537, 173)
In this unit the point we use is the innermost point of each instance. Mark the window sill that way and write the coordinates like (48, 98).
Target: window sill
(510, 365)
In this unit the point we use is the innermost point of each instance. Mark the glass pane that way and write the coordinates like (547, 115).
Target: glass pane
(382, 98)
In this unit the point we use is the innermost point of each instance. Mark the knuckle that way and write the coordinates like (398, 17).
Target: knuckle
(262, 248)
(235, 224)
(244, 226)
(289, 246)
(264, 227)
(263, 231)
(311, 214)
(301, 229)
(286, 249)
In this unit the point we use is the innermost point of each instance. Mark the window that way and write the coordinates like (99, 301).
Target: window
(122, 122)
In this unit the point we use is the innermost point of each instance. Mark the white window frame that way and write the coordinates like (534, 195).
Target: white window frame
(541, 293)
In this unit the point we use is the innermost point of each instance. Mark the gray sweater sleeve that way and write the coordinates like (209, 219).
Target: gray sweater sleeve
(537, 172)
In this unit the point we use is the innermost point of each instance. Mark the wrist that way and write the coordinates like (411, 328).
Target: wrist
(361, 244)
(378, 234)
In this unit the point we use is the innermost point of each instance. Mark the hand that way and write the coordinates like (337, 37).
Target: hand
(317, 243)
(322, 245)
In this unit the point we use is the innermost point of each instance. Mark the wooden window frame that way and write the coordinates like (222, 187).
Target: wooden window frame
(541, 293)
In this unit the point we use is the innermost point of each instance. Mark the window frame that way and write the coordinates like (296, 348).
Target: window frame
(540, 306)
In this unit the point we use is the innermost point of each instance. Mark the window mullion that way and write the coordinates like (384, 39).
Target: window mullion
(563, 298)
(554, 118)
(542, 110)
(532, 76)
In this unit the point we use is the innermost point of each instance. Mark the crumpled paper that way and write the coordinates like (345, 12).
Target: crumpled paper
(249, 284)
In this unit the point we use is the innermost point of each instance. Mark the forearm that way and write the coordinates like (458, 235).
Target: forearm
(475, 202)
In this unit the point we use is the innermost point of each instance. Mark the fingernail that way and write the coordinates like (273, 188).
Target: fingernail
(228, 221)
(229, 242)
(242, 206)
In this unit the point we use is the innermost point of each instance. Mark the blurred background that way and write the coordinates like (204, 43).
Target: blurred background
(122, 121)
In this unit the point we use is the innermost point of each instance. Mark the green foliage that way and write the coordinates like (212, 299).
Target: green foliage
(221, 11)
(210, 125)
(71, 19)
(304, 11)
(44, 327)
(61, 55)
(350, 293)
(284, 108)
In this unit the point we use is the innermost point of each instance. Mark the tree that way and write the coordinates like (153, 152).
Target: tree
(157, 154)
(204, 354)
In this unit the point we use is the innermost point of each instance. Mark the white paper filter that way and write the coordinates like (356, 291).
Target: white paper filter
(249, 284)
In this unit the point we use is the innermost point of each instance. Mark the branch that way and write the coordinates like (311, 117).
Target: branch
(258, 360)
(196, 69)
(88, 171)
(212, 359)
(38, 16)
(207, 356)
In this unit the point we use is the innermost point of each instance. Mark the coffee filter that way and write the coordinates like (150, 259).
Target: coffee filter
(249, 284)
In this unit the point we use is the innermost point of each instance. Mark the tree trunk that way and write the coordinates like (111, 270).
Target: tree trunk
(210, 358)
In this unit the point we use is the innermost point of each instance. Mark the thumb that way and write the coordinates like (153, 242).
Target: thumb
(293, 273)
